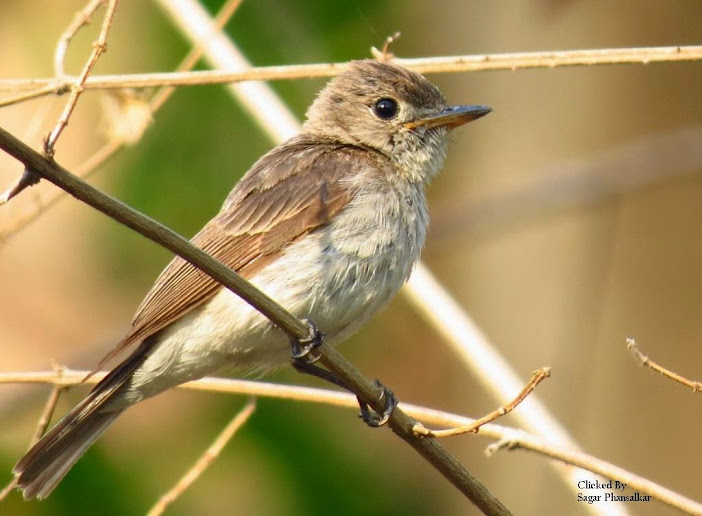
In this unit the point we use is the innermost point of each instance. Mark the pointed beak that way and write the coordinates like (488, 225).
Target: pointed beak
(450, 117)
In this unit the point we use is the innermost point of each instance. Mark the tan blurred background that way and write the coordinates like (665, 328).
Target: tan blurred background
(564, 222)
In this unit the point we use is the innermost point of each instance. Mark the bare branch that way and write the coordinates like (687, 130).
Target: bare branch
(81, 19)
(367, 391)
(638, 355)
(605, 469)
(99, 47)
(508, 438)
(28, 178)
(207, 458)
(537, 377)
(103, 154)
(441, 64)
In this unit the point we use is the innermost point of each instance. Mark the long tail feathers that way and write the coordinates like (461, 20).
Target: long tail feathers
(48, 461)
(40, 471)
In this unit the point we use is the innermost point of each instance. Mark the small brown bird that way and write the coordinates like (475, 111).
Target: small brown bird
(329, 224)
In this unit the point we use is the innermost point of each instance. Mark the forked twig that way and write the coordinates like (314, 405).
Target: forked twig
(81, 19)
(204, 461)
(638, 355)
(28, 178)
(107, 151)
(537, 377)
(99, 47)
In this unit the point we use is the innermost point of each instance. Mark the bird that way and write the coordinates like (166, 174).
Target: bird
(329, 224)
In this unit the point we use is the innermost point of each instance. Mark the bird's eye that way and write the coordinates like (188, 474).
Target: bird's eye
(385, 109)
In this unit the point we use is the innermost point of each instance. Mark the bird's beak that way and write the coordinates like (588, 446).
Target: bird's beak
(450, 117)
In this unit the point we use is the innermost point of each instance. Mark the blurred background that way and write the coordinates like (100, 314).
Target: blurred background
(564, 222)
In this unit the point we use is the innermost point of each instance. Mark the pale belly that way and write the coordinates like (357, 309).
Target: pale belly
(338, 291)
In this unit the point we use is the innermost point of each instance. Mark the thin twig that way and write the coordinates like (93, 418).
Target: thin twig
(441, 64)
(43, 421)
(48, 89)
(99, 47)
(602, 468)
(207, 458)
(480, 356)
(537, 377)
(49, 408)
(385, 54)
(28, 178)
(638, 355)
(107, 151)
(506, 436)
(367, 391)
(255, 97)
(81, 19)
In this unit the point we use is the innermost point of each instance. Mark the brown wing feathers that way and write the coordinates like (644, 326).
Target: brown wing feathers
(293, 197)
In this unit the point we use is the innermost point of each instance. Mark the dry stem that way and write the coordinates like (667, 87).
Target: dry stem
(28, 178)
(99, 47)
(638, 355)
(81, 19)
(508, 438)
(441, 64)
(108, 150)
(602, 468)
(207, 458)
(537, 377)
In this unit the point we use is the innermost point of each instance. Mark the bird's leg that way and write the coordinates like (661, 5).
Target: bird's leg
(303, 362)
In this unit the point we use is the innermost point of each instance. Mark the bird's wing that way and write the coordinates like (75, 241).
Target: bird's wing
(288, 193)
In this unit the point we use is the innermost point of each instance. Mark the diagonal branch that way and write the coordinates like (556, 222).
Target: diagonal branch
(366, 391)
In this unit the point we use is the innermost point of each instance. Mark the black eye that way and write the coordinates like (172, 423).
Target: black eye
(385, 109)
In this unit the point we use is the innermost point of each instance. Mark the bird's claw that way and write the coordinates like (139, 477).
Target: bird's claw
(301, 348)
(372, 418)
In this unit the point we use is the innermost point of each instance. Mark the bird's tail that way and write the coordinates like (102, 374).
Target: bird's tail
(48, 461)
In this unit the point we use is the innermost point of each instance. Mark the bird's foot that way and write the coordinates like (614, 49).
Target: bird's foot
(301, 348)
(372, 418)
